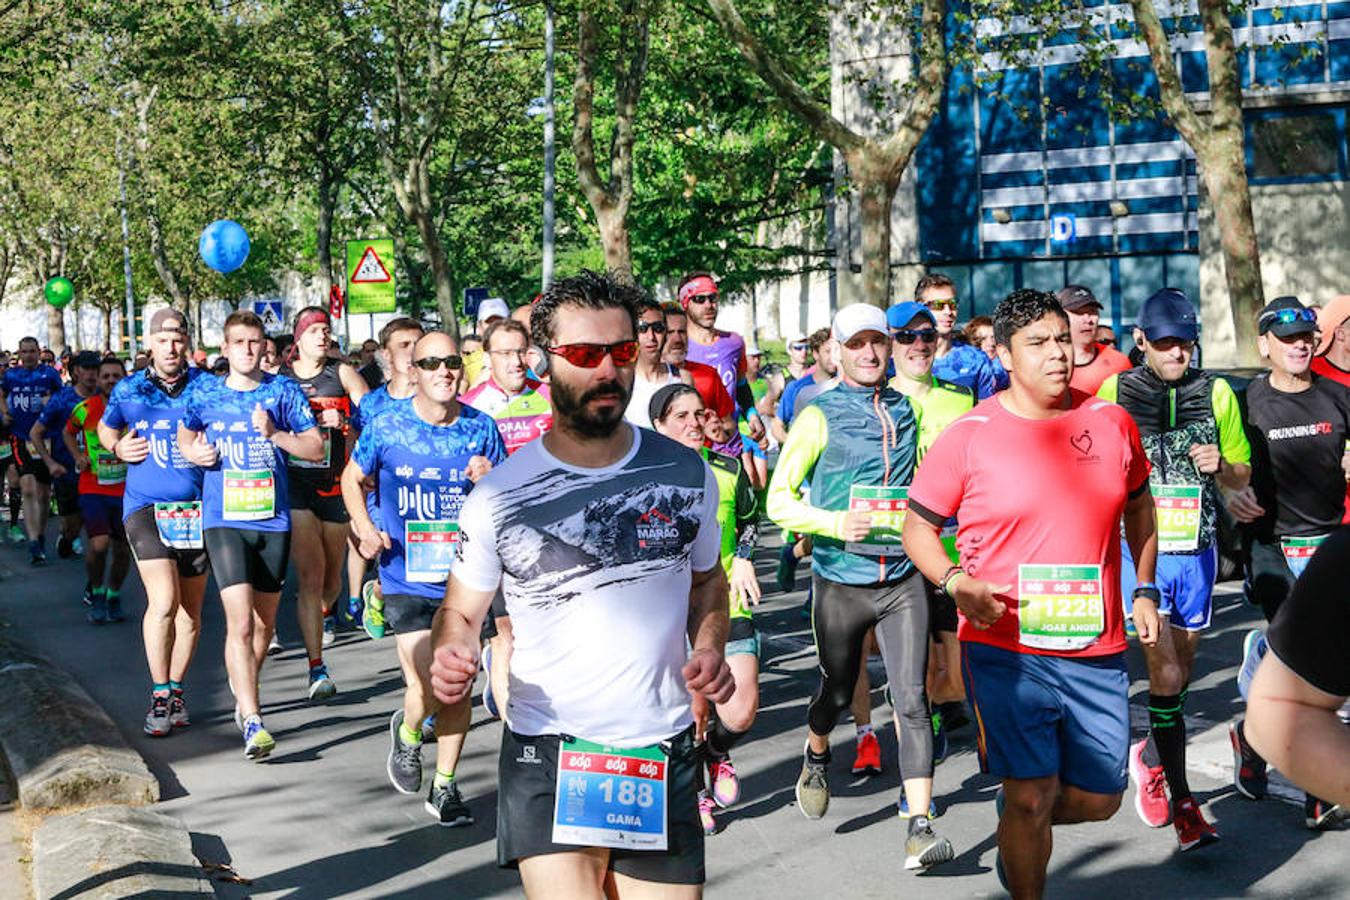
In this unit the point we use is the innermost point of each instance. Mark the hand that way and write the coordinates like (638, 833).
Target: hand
(707, 673)
(262, 422)
(756, 428)
(81, 463)
(744, 584)
(857, 524)
(329, 418)
(56, 469)
(132, 448)
(478, 467)
(1242, 504)
(453, 669)
(370, 542)
(1147, 621)
(202, 452)
(978, 599)
(1206, 457)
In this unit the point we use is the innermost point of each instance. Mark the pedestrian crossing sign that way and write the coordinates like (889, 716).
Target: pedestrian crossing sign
(370, 276)
(272, 315)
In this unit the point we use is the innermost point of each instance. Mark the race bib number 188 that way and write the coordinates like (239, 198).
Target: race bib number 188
(607, 797)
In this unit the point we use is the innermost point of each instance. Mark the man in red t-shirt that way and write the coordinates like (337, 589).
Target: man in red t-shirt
(1039, 477)
(1093, 362)
(1333, 347)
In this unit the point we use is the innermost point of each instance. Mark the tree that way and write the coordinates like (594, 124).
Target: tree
(875, 165)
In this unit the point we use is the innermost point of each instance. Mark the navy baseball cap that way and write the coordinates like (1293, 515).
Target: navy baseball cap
(88, 359)
(902, 314)
(1168, 314)
(1286, 316)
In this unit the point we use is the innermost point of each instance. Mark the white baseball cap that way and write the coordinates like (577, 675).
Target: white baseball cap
(752, 349)
(856, 318)
(493, 306)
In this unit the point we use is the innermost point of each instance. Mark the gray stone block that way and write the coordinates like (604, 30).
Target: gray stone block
(115, 851)
(62, 748)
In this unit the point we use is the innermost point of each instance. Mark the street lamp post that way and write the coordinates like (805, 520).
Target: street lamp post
(550, 152)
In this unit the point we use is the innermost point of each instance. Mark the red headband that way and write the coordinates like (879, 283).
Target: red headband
(697, 287)
(312, 317)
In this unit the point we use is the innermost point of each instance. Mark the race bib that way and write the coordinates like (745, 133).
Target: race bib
(607, 797)
(1298, 550)
(109, 469)
(322, 462)
(428, 548)
(249, 494)
(1178, 510)
(1060, 607)
(887, 506)
(6, 450)
(180, 524)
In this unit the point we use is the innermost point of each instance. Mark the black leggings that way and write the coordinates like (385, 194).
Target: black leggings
(842, 615)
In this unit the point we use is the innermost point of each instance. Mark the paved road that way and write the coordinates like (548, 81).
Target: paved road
(319, 819)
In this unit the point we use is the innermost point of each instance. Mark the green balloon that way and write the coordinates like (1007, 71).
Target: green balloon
(59, 292)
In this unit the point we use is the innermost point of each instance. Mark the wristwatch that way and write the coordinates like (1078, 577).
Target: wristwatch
(1150, 590)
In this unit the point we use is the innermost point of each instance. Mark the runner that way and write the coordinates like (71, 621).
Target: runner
(651, 373)
(46, 439)
(318, 516)
(102, 482)
(1298, 424)
(937, 404)
(161, 511)
(824, 375)
(493, 309)
(678, 413)
(1093, 363)
(1333, 346)
(799, 357)
(26, 388)
(608, 582)
(856, 445)
(980, 334)
(252, 418)
(424, 455)
(722, 350)
(1039, 476)
(1191, 430)
(955, 360)
(721, 425)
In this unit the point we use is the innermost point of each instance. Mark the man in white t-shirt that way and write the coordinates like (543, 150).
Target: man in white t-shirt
(604, 540)
(650, 373)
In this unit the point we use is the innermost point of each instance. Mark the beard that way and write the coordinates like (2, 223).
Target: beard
(571, 408)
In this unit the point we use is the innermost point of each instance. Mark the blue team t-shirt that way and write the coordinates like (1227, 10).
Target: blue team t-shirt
(250, 476)
(26, 392)
(374, 403)
(967, 366)
(165, 475)
(421, 479)
(53, 418)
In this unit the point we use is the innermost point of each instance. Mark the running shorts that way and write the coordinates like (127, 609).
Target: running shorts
(147, 545)
(527, 777)
(28, 463)
(1050, 715)
(102, 515)
(326, 507)
(66, 496)
(1268, 578)
(407, 613)
(255, 558)
(1186, 581)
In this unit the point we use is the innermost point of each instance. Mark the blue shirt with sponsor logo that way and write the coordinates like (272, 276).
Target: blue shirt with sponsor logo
(53, 418)
(246, 457)
(140, 402)
(27, 392)
(421, 478)
(967, 366)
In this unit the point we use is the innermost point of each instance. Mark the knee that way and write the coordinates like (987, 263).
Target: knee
(1167, 678)
(911, 703)
(1100, 807)
(1030, 801)
(738, 714)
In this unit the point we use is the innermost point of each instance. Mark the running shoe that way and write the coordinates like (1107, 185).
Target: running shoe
(813, 790)
(178, 714)
(726, 787)
(157, 722)
(489, 698)
(115, 609)
(37, 558)
(903, 805)
(65, 548)
(1253, 651)
(16, 535)
(88, 598)
(372, 612)
(1249, 769)
(257, 742)
(939, 738)
(923, 847)
(1192, 829)
(98, 610)
(447, 807)
(321, 686)
(786, 573)
(329, 630)
(1319, 814)
(1150, 789)
(351, 615)
(867, 760)
(706, 805)
(405, 760)
(274, 645)
(954, 716)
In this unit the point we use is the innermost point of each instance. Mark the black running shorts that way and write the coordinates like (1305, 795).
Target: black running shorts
(146, 544)
(255, 558)
(305, 495)
(407, 613)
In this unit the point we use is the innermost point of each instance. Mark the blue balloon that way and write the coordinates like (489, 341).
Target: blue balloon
(224, 245)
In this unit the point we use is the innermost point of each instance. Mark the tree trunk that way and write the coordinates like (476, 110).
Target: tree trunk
(1223, 167)
(107, 329)
(613, 222)
(441, 277)
(56, 329)
(875, 194)
(324, 234)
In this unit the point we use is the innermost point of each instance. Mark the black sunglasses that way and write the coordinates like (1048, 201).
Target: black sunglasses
(905, 336)
(658, 327)
(432, 363)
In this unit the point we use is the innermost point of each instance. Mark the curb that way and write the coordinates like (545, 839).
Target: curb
(115, 851)
(62, 748)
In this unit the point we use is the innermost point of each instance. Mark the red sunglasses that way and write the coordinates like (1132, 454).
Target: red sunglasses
(589, 356)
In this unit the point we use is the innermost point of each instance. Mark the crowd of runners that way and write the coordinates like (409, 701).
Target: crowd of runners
(562, 510)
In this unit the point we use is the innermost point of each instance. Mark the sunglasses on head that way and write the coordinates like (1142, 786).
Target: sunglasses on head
(1288, 317)
(906, 336)
(589, 356)
(432, 363)
(658, 327)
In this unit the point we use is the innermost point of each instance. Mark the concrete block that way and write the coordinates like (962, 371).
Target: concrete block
(115, 851)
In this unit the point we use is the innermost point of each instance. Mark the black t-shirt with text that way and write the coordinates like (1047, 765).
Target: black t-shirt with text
(1297, 444)
(1311, 631)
